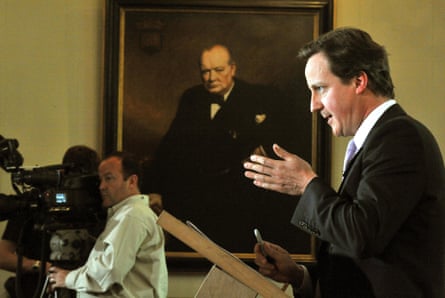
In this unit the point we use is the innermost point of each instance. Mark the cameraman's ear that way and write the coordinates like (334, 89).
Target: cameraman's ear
(134, 180)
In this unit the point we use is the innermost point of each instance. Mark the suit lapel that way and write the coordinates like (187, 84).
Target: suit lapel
(391, 113)
(348, 169)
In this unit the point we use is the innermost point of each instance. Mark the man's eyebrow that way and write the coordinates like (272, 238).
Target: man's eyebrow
(315, 84)
(106, 174)
(210, 68)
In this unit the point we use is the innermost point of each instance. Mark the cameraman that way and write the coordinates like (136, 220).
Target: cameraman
(128, 258)
(81, 160)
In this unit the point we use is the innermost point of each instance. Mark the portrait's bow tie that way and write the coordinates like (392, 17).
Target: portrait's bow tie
(217, 99)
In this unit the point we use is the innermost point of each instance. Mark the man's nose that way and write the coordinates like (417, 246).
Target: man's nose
(211, 75)
(101, 185)
(316, 104)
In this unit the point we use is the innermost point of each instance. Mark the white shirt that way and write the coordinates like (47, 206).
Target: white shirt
(369, 122)
(214, 107)
(128, 258)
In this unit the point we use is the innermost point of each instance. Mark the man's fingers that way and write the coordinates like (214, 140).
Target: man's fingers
(274, 248)
(257, 171)
(282, 153)
(268, 185)
(258, 159)
(267, 272)
(257, 168)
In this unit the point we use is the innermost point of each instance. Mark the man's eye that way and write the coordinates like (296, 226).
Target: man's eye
(219, 69)
(319, 89)
(205, 71)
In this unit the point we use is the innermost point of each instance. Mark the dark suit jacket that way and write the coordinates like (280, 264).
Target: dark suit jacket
(383, 233)
(198, 166)
(253, 115)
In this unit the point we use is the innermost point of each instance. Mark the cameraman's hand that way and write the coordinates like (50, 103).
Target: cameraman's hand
(283, 269)
(57, 277)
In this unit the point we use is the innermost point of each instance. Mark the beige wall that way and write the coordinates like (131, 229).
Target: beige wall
(50, 78)
(50, 75)
(413, 33)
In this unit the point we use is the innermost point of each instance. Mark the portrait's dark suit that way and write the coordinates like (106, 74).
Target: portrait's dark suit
(198, 166)
(383, 233)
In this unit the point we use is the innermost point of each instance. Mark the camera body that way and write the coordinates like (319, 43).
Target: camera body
(57, 195)
(56, 210)
(61, 202)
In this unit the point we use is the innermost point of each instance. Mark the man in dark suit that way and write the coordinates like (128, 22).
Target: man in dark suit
(382, 233)
(198, 165)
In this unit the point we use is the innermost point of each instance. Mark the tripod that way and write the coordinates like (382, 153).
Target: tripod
(45, 289)
(68, 249)
(57, 293)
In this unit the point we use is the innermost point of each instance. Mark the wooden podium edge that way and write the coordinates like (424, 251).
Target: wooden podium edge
(219, 256)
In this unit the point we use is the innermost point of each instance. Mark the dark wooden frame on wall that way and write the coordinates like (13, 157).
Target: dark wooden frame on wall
(120, 79)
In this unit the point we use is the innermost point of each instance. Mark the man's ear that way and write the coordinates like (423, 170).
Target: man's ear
(361, 82)
(133, 179)
(233, 66)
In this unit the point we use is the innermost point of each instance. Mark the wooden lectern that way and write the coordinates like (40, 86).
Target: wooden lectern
(230, 277)
(217, 283)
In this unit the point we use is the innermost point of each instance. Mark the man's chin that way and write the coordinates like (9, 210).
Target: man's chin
(106, 203)
(215, 91)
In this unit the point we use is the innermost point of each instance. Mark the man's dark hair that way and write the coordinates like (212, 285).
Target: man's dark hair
(351, 51)
(81, 160)
(131, 165)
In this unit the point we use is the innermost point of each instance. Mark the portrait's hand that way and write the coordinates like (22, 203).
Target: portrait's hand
(289, 175)
(156, 202)
(259, 151)
(283, 269)
(57, 277)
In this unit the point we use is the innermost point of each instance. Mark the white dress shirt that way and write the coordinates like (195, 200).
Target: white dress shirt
(128, 258)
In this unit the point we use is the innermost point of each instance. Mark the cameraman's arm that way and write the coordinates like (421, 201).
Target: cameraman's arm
(8, 258)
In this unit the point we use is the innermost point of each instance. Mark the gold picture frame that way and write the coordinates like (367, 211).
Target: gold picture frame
(151, 52)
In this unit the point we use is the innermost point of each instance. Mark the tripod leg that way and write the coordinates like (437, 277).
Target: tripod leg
(46, 291)
(45, 285)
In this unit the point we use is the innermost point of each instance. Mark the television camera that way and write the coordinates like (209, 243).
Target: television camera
(58, 196)
(59, 201)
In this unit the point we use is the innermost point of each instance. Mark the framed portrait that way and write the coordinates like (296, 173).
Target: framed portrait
(155, 89)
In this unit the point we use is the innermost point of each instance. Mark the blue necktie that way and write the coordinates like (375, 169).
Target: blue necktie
(350, 151)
